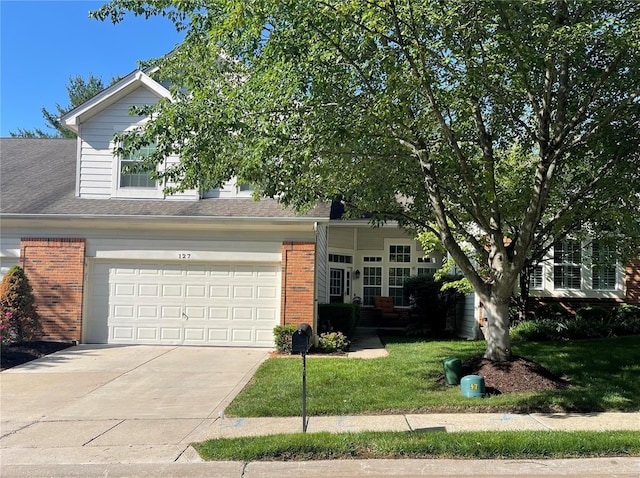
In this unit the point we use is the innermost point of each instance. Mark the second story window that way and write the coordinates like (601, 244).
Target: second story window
(133, 174)
(399, 253)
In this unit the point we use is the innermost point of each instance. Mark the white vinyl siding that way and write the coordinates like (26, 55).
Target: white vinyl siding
(321, 264)
(98, 172)
(341, 238)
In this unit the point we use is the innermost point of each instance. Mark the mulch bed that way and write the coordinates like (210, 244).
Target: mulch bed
(518, 375)
(23, 352)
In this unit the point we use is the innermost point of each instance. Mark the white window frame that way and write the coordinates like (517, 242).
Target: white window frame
(536, 279)
(567, 265)
(586, 290)
(597, 263)
(367, 275)
(129, 192)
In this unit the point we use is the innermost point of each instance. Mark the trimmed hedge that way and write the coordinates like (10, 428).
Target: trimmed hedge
(339, 318)
(283, 335)
(588, 323)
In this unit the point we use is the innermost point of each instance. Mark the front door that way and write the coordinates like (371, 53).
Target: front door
(336, 286)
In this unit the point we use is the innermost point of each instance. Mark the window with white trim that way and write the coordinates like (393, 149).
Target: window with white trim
(372, 283)
(133, 174)
(399, 253)
(567, 264)
(536, 281)
(603, 266)
(397, 276)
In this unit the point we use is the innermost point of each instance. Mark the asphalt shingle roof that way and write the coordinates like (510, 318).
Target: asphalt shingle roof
(38, 176)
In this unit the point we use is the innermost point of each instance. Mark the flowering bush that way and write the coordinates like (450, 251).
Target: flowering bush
(19, 319)
(333, 342)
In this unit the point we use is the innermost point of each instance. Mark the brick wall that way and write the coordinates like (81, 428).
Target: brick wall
(298, 284)
(633, 283)
(55, 268)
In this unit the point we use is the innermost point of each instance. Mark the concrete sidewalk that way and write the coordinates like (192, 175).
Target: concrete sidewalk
(422, 423)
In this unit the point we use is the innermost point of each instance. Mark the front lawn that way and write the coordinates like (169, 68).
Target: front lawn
(603, 374)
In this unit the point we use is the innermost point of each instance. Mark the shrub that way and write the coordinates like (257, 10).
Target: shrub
(430, 310)
(588, 323)
(18, 316)
(593, 314)
(333, 342)
(553, 311)
(625, 320)
(537, 330)
(339, 318)
(282, 337)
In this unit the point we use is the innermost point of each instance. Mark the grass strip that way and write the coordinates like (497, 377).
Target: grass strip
(469, 445)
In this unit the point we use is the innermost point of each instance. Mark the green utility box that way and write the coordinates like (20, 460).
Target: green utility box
(452, 370)
(472, 386)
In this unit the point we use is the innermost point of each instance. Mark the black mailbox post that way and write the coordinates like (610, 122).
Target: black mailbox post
(300, 343)
(301, 339)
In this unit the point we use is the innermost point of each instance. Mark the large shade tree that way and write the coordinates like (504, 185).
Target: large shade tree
(495, 126)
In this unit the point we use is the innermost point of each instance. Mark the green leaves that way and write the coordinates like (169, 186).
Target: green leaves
(489, 119)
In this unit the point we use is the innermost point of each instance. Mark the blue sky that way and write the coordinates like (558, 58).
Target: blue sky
(44, 42)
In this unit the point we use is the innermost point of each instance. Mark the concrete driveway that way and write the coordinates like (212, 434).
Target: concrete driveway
(137, 404)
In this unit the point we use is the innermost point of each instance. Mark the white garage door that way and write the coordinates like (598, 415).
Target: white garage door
(178, 303)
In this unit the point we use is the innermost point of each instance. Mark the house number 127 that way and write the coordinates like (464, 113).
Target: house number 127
(184, 255)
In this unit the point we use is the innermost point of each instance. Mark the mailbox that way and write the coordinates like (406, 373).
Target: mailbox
(301, 339)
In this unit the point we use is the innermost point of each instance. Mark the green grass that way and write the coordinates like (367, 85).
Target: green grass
(470, 445)
(603, 374)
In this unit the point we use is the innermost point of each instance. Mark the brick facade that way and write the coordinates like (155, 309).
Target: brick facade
(633, 283)
(55, 268)
(298, 283)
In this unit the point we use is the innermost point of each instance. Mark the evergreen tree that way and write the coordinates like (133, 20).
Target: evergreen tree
(19, 320)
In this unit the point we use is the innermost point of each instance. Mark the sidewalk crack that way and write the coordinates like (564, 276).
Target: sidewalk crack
(103, 433)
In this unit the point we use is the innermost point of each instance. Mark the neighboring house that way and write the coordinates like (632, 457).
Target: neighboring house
(112, 259)
(580, 273)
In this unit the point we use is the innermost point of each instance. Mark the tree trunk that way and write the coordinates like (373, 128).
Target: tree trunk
(498, 340)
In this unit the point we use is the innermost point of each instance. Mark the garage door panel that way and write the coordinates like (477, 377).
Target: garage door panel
(195, 334)
(264, 292)
(242, 313)
(243, 292)
(123, 312)
(266, 314)
(125, 333)
(219, 291)
(195, 313)
(218, 313)
(147, 312)
(147, 333)
(172, 290)
(218, 335)
(171, 312)
(196, 291)
(174, 303)
(124, 290)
